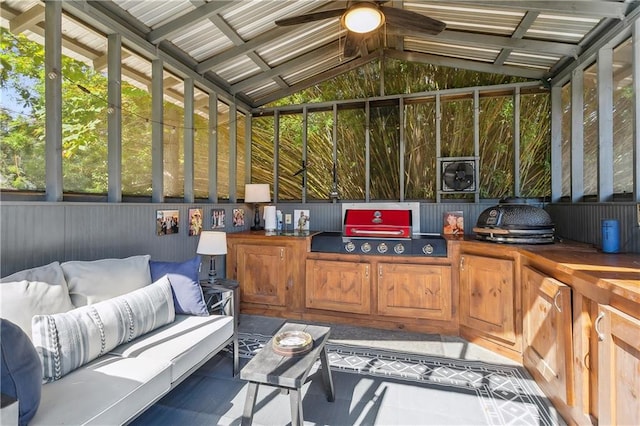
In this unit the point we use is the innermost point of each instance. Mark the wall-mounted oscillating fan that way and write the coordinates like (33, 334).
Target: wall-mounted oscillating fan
(458, 175)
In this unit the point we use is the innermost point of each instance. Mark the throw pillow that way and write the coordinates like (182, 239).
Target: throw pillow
(69, 340)
(51, 273)
(20, 369)
(184, 277)
(36, 291)
(94, 281)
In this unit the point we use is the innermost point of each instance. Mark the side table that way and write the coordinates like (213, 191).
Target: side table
(222, 297)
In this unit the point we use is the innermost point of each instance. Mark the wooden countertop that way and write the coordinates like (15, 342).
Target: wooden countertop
(584, 265)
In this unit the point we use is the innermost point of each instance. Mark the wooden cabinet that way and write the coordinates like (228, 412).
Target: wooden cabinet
(262, 273)
(547, 334)
(414, 291)
(269, 270)
(618, 367)
(338, 286)
(488, 297)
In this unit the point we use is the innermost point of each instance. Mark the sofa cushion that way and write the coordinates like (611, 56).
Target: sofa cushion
(107, 391)
(20, 369)
(41, 290)
(20, 301)
(94, 281)
(184, 343)
(51, 273)
(68, 340)
(184, 277)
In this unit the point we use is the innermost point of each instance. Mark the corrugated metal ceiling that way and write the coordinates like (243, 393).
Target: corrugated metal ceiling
(237, 46)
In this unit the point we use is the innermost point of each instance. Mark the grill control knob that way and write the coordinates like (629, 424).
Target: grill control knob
(398, 248)
(366, 248)
(349, 247)
(428, 249)
(382, 248)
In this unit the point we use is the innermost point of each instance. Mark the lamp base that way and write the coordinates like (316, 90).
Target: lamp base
(256, 219)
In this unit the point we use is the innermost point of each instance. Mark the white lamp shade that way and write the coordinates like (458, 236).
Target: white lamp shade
(212, 243)
(257, 193)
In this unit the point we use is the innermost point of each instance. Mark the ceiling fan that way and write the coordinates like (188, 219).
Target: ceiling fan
(362, 18)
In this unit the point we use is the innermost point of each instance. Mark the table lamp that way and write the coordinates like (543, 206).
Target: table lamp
(212, 243)
(256, 193)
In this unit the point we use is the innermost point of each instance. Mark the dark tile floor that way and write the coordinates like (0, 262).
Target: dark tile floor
(212, 397)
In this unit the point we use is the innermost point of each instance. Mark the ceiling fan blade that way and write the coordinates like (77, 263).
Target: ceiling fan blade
(412, 21)
(309, 17)
(352, 43)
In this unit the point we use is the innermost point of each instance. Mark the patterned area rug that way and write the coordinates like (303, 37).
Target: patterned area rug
(507, 393)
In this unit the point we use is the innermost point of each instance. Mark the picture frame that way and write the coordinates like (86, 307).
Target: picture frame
(301, 220)
(453, 223)
(195, 221)
(217, 218)
(238, 217)
(167, 222)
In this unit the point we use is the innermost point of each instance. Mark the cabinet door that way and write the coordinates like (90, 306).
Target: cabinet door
(338, 286)
(487, 301)
(618, 367)
(414, 291)
(547, 334)
(262, 274)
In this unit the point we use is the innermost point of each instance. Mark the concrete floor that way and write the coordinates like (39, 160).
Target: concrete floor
(418, 343)
(211, 396)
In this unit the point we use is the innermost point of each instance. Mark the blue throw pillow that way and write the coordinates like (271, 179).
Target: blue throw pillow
(184, 278)
(21, 370)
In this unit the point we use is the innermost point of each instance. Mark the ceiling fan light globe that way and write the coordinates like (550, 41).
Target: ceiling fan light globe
(362, 19)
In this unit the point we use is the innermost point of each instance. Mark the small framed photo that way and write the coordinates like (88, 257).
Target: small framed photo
(238, 217)
(453, 223)
(167, 222)
(301, 220)
(195, 222)
(217, 218)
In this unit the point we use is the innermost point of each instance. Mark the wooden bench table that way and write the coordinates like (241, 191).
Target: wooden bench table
(287, 372)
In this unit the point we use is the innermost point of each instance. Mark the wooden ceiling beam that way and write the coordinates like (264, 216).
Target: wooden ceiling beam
(587, 9)
(466, 64)
(27, 20)
(187, 20)
(318, 78)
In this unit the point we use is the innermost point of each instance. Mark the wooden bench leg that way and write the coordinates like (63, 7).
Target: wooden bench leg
(297, 418)
(250, 402)
(326, 376)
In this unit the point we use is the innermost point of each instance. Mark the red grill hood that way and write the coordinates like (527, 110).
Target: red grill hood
(377, 223)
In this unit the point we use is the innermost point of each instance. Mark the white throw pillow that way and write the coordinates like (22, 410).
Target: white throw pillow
(94, 281)
(69, 340)
(37, 291)
(51, 273)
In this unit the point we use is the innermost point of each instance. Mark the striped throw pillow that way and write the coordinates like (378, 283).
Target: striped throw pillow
(68, 340)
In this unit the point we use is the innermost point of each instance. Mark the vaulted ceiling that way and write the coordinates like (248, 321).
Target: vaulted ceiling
(236, 48)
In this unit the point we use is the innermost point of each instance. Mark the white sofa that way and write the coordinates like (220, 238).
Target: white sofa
(120, 384)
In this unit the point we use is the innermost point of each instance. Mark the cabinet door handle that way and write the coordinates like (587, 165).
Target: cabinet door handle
(462, 263)
(555, 302)
(379, 270)
(366, 271)
(281, 253)
(596, 324)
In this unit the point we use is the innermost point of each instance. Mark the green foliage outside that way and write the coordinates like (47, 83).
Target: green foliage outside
(85, 113)
(457, 136)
